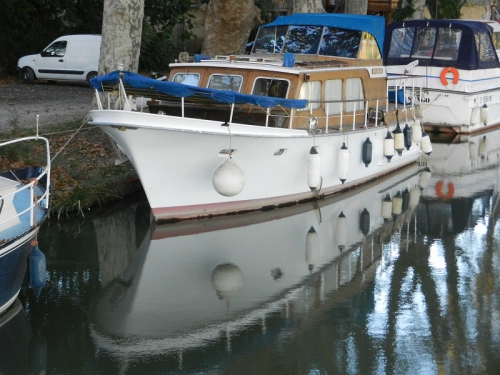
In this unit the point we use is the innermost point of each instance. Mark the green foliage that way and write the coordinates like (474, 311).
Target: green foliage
(159, 45)
(445, 8)
(403, 11)
(28, 26)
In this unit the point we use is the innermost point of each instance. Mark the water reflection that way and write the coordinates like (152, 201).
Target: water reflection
(201, 283)
(391, 278)
(21, 350)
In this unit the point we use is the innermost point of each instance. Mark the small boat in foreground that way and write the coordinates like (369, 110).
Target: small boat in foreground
(303, 116)
(24, 204)
(460, 70)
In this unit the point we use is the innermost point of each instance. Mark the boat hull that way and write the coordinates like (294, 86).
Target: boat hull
(176, 158)
(14, 263)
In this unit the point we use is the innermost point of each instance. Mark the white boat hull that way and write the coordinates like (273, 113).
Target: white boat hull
(176, 158)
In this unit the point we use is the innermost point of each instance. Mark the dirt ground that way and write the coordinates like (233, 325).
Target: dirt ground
(83, 172)
(55, 103)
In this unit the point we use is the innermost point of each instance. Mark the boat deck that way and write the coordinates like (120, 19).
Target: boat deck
(15, 220)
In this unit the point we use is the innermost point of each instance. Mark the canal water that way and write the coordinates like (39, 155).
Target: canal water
(397, 277)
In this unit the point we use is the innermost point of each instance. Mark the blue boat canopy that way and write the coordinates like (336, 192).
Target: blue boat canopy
(327, 34)
(460, 44)
(180, 90)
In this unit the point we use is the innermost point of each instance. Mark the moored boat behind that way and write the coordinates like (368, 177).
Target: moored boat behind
(459, 63)
(303, 116)
(24, 204)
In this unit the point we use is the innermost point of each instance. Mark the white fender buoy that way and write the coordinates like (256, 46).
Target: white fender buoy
(399, 140)
(475, 116)
(407, 136)
(426, 144)
(343, 163)
(416, 131)
(227, 279)
(312, 248)
(483, 147)
(386, 207)
(228, 179)
(424, 178)
(397, 204)
(342, 231)
(314, 169)
(485, 114)
(367, 150)
(473, 150)
(414, 197)
(388, 146)
(364, 221)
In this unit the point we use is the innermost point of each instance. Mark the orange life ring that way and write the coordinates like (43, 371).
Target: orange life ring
(445, 71)
(439, 190)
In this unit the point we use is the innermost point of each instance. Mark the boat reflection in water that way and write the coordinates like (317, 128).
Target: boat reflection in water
(21, 351)
(200, 283)
(462, 169)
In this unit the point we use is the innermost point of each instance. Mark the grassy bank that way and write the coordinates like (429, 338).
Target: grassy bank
(83, 171)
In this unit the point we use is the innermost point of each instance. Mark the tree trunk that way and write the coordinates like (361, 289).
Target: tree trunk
(228, 24)
(121, 35)
(419, 6)
(308, 6)
(356, 6)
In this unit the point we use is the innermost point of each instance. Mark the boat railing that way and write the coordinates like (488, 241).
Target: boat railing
(404, 91)
(345, 119)
(35, 200)
(361, 111)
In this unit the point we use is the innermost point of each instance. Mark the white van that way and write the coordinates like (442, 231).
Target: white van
(68, 58)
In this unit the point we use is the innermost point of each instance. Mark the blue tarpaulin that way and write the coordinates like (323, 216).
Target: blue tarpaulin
(180, 90)
(375, 25)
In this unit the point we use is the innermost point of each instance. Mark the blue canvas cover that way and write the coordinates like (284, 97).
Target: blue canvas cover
(468, 57)
(375, 25)
(180, 90)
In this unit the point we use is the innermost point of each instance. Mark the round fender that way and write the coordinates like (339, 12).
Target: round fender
(439, 190)
(445, 71)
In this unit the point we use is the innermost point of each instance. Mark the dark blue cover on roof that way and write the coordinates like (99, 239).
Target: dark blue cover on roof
(180, 90)
(374, 25)
(468, 55)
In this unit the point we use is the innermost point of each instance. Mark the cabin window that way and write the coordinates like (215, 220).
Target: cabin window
(401, 42)
(485, 47)
(225, 82)
(276, 88)
(304, 39)
(333, 92)
(311, 91)
(340, 42)
(270, 39)
(190, 79)
(368, 49)
(496, 40)
(424, 42)
(354, 91)
(448, 41)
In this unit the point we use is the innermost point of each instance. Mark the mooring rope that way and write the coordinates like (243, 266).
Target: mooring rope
(70, 138)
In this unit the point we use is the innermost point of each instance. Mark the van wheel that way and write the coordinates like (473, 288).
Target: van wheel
(28, 75)
(90, 76)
